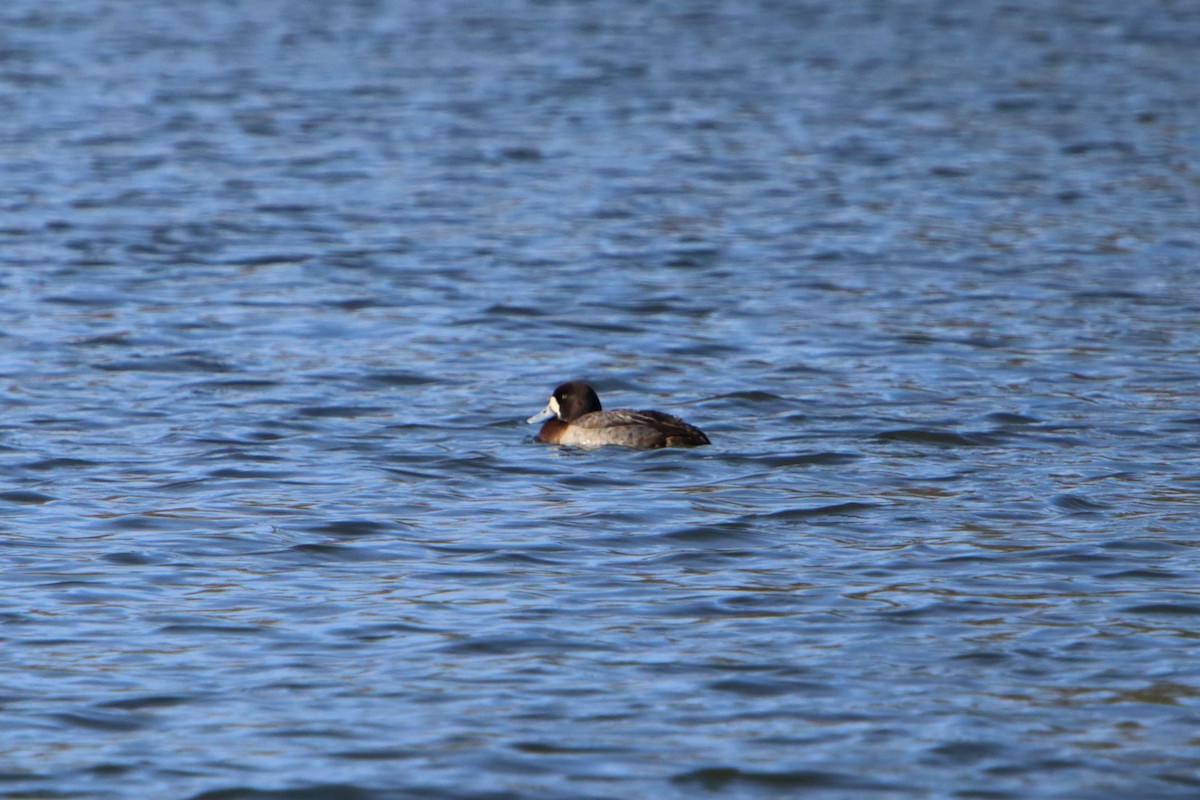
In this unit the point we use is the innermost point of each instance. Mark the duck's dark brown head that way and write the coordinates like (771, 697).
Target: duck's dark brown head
(570, 401)
(575, 399)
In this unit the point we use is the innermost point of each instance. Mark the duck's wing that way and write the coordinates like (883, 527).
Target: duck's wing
(675, 431)
(643, 428)
(622, 417)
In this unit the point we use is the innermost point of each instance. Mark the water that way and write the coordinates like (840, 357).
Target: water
(279, 283)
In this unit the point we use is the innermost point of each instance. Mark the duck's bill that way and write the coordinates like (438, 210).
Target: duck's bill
(545, 414)
(551, 410)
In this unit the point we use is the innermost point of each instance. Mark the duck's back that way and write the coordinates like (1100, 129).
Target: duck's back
(629, 428)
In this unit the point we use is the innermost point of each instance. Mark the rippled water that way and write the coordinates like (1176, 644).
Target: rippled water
(280, 281)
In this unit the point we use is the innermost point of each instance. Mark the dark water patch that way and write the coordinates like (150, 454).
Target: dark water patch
(128, 558)
(151, 521)
(242, 473)
(171, 364)
(655, 306)
(719, 779)
(1033, 766)
(316, 791)
(86, 300)
(1069, 555)
(748, 398)
(26, 498)
(1091, 146)
(983, 343)
(939, 437)
(356, 303)
(522, 153)
(984, 657)
(929, 612)
(110, 770)
(1162, 692)
(380, 754)
(1057, 441)
(973, 558)
(847, 509)
(399, 378)
(696, 610)
(289, 209)
(22, 776)
(482, 466)
(498, 645)
(966, 752)
(667, 461)
(239, 385)
(101, 721)
(370, 633)
(595, 326)
(109, 340)
(764, 687)
(1143, 574)
(559, 749)
(353, 260)
(1008, 418)
(1162, 546)
(705, 350)
(508, 311)
(267, 436)
(1078, 505)
(213, 629)
(342, 411)
(949, 171)
(1117, 476)
(270, 259)
(782, 461)
(148, 701)
(591, 480)
(1181, 778)
(51, 643)
(353, 528)
(1180, 609)
(693, 258)
(51, 464)
(734, 533)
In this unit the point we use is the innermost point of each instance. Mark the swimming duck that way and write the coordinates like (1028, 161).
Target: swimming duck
(574, 416)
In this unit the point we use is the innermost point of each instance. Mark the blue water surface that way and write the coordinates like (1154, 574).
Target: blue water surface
(280, 282)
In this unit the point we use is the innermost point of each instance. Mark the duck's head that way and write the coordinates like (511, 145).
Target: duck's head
(570, 401)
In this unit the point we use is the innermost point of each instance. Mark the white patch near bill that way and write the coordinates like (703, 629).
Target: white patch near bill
(553, 406)
(551, 410)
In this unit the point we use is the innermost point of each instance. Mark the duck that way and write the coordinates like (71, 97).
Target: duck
(575, 417)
